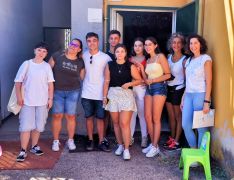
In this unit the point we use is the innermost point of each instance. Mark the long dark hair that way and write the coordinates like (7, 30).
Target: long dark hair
(79, 54)
(154, 41)
(203, 48)
(133, 53)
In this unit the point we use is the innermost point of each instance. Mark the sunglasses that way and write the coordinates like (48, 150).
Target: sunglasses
(91, 60)
(74, 45)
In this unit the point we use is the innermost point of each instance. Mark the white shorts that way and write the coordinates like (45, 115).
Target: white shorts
(33, 118)
(120, 100)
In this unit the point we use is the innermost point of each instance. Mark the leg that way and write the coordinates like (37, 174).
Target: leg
(124, 121)
(27, 119)
(100, 129)
(171, 115)
(158, 104)
(56, 125)
(115, 119)
(148, 115)
(178, 118)
(71, 125)
(133, 123)
(187, 120)
(41, 115)
(89, 106)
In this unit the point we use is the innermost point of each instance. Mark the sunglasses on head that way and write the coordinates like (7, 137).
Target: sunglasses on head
(91, 60)
(74, 45)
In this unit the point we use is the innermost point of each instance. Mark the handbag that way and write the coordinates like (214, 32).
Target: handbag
(201, 120)
(12, 104)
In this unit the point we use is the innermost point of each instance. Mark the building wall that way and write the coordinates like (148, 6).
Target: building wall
(21, 28)
(56, 13)
(218, 30)
(159, 3)
(80, 24)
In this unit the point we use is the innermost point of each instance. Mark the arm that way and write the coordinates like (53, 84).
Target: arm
(51, 62)
(19, 97)
(106, 84)
(51, 94)
(166, 70)
(136, 76)
(82, 74)
(208, 79)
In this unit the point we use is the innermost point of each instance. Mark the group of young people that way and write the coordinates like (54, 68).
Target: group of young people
(118, 85)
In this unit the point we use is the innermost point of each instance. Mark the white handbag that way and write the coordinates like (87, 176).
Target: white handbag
(201, 120)
(12, 104)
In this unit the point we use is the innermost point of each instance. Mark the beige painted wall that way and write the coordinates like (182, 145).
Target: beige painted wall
(161, 3)
(218, 31)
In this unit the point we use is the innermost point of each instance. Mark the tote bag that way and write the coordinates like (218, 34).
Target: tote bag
(201, 120)
(12, 104)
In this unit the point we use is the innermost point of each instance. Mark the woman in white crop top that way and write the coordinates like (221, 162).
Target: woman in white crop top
(155, 74)
(198, 72)
(175, 89)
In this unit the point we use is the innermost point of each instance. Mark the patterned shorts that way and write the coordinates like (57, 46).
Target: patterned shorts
(120, 99)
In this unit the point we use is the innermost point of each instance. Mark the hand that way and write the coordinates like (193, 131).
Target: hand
(49, 103)
(206, 108)
(104, 102)
(126, 86)
(181, 105)
(20, 101)
(139, 66)
(148, 81)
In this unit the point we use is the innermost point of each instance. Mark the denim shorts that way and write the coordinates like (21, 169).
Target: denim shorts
(156, 89)
(65, 102)
(93, 108)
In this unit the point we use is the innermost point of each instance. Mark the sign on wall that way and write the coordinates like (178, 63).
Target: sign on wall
(94, 15)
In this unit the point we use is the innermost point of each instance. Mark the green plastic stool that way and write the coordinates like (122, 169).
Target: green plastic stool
(202, 155)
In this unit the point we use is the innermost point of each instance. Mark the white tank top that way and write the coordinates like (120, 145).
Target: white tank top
(177, 71)
(195, 74)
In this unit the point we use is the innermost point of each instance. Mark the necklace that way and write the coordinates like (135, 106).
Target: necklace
(119, 67)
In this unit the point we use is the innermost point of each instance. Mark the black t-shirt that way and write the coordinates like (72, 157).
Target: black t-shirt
(66, 72)
(111, 55)
(119, 73)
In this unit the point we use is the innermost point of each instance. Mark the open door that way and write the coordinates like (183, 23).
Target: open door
(187, 18)
(119, 24)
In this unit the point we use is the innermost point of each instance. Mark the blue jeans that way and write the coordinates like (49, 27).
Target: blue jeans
(192, 102)
(65, 102)
(156, 89)
(93, 108)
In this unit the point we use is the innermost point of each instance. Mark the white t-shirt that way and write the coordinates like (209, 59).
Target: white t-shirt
(195, 74)
(35, 82)
(177, 70)
(94, 75)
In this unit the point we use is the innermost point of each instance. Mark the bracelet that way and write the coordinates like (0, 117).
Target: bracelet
(206, 101)
(50, 98)
(104, 97)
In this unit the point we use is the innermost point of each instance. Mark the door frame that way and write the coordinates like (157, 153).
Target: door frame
(112, 11)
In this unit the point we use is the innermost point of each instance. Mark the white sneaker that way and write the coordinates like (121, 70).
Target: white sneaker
(144, 142)
(147, 149)
(71, 145)
(119, 150)
(153, 152)
(126, 155)
(195, 164)
(55, 145)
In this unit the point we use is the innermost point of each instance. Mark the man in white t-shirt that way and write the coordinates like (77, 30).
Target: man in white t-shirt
(36, 78)
(92, 90)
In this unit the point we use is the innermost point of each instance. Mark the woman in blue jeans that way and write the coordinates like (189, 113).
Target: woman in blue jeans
(198, 72)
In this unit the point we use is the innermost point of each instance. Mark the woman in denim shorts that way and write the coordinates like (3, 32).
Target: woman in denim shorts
(68, 67)
(155, 74)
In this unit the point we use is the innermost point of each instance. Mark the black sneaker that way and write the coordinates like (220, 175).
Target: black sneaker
(21, 157)
(104, 147)
(90, 145)
(173, 146)
(106, 142)
(36, 150)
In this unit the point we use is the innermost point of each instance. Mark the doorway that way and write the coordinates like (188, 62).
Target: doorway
(145, 24)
